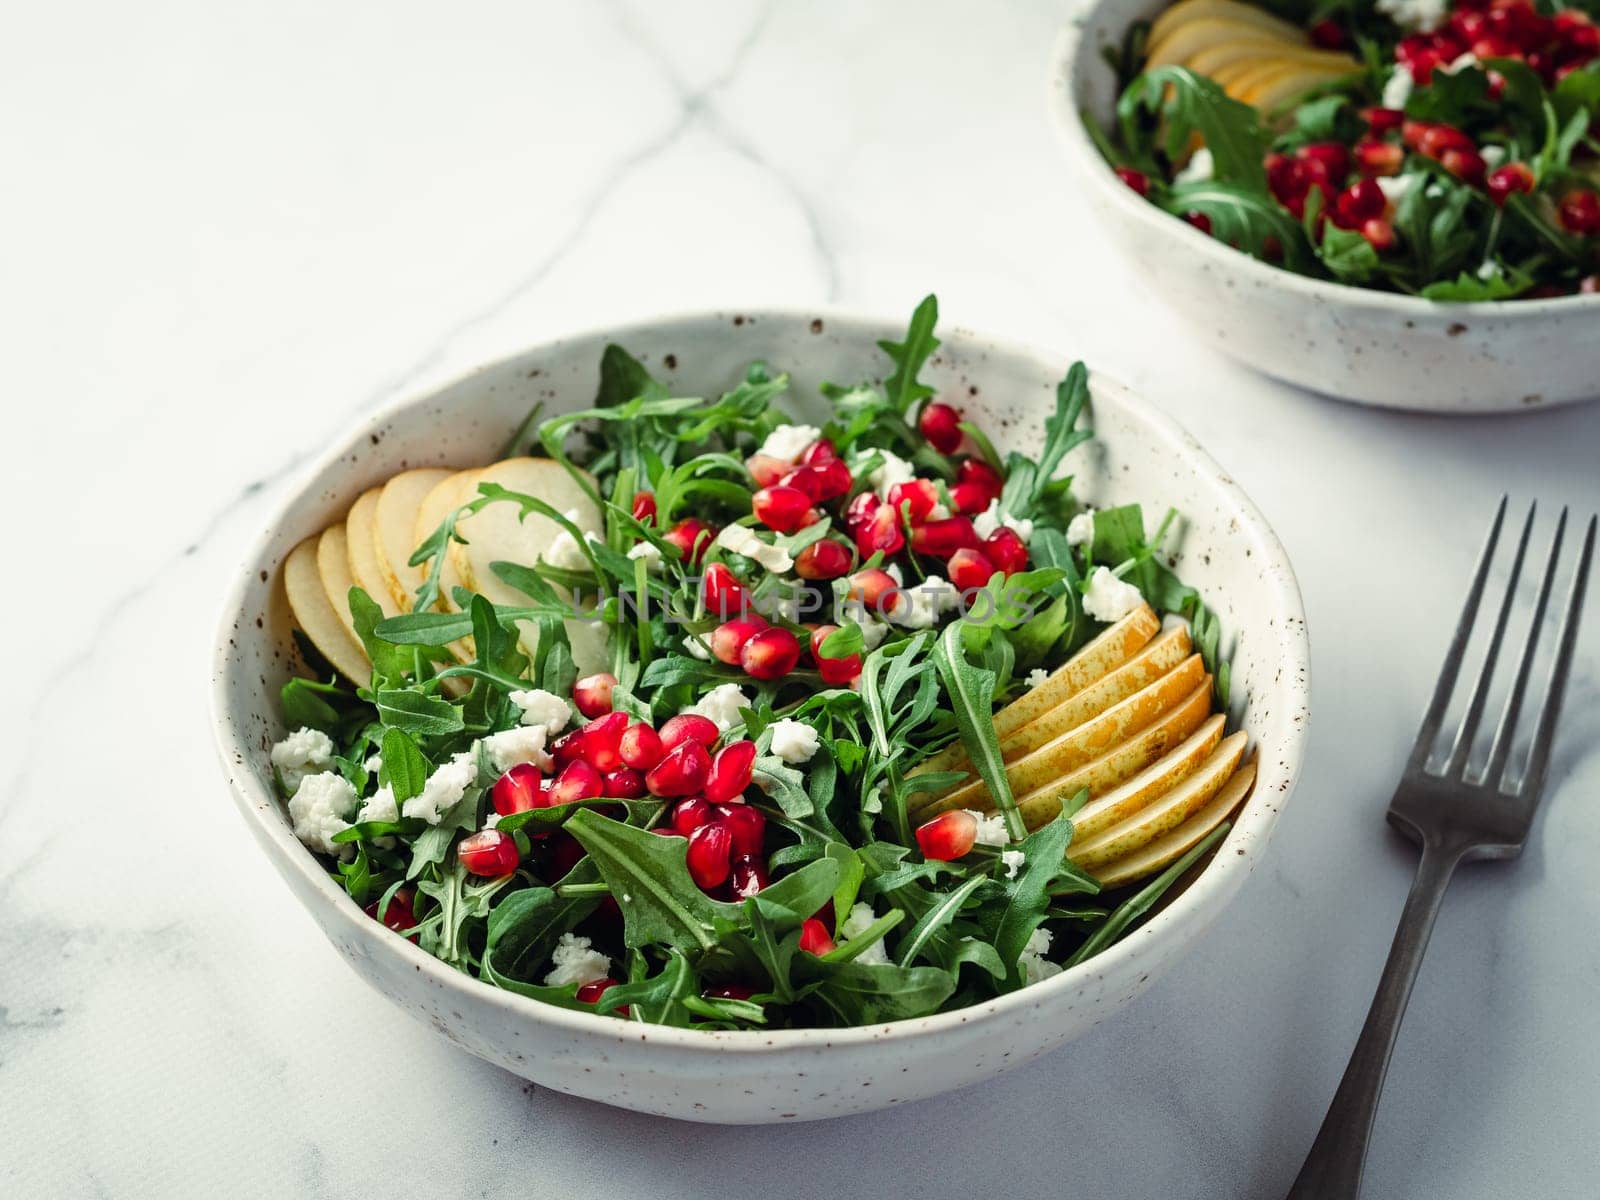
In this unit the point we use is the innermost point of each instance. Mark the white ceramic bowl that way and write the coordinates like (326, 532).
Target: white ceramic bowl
(744, 1077)
(1354, 343)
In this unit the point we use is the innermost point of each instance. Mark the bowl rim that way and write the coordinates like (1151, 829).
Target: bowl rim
(1064, 85)
(1215, 885)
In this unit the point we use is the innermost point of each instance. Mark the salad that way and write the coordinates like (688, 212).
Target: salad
(1444, 150)
(686, 712)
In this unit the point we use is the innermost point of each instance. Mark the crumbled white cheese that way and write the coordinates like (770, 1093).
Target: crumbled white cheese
(321, 807)
(650, 553)
(564, 550)
(1488, 270)
(794, 741)
(991, 830)
(1460, 63)
(723, 704)
(374, 764)
(491, 820)
(1037, 676)
(891, 471)
(304, 752)
(1109, 598)
(991, 519)
(1396, 188)
(1492, 156)
(1035, 966)
(938, 513)
(743, 540)
(444, 788)
(1080, 530)
(1397, 88)
(696, 648)
(574, 960)
(380, 806)
(1012, 860)
(540, 707)
(872, 632)
(857, 923)
(920, 607)
(524, 744)
(788, 442)
(893, 572)
(1415, 15)
(1199, 169)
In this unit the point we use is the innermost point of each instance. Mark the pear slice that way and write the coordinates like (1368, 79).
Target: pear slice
(1120, 764)
(1169, 847)
(1192, 10)
(1214, 60)
(395, 529)
(1109, 649)
(361, 545)
(1189, 39)
(314, 613)
(496, 534)
(1270, 92)
(1166, 813)
(1166, 773)
(445, 496)
(333, 564)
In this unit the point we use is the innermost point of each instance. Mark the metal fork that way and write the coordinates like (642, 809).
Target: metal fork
(1453, 817)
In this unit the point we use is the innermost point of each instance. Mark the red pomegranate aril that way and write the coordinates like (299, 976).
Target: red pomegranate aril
(766, 470)
(689, 727)
(1199, 220)
(688, 815)
(729, 991)
(872, 588)
(592, 694)
(975, 470)
(814, 937)
(835, 479)
(730, 772)
(681, 773)
(948, 836)
(517, 790)
(835, 672)
(781, 507)
(747, 826)
(749, 876)
(692, 538)
(625, 783)
(489, 853)
(943, 538)
(916, 498)
(728, 639)
(1379, 158)
(590, 992)
(1137, 180)
(1359, 202)
(568, 747)
(970, 497)
(1006, 550)
(1380, 233)
(640, 747)
(1332, 159)
(969, 570)
(644, 507)
(577, 781)
(941, 426)
(1329, 35)
(822, 560)
(1465, 165)
(1511, 178)
(709, 855)
(399, 916)
(601, 743)
(722, 593)
(1383, 120)
(880, 533)
(820, 451)
(860, 510)
(1579, 211)
(771, 654)
(1435, 140)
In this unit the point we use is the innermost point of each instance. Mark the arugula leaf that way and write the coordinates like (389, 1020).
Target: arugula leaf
(417, 713)
(404, 769)
(1027, 896)
(1195, 104)
(866, 995)
(1244, 217)
(971, 693)
(910, 356)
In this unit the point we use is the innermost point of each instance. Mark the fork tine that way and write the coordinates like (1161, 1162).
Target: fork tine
(1506, 732)
(1545, 732)
(1458, 645)
(1462, 750)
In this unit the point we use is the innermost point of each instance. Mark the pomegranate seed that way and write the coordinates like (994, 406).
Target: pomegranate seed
(814, 937)
(640, 747)
(822, 560)
(1466, 165)
(625, 783)
(1379, 158)
(766, 470)
(400, 916)
(820, 451)
(860, 511)
(1199, 220)
(948, 836)
(975, 470)
(729, 991)
(1436, 140)
(970, 497)
(1359, 202)
(940, 424)
(746, 826)
(835, 477)
(600, 744)
(689, 727)
(881, 532)
(771, 654)
(1283, 176)
(1326, 160)
(692, 538)
(709, 849)
(1137, 180)
(681, 773)
(969, 570)
(730, 773)
(724, 596)
(489, 853)
(1329, 35)
(568, 747)
(688, 815)
(588, 993)
(728, 639)
(1383, 120)
(919, 494)
(1579, 211)
(1513, 177)
(592, 694)
(835, 672)
(749, 876)
(1411, 132)
(806, 479)
(577, 781)
(871, 587)
(1006, 550)
(943, 538)
(780, 507)
(1380, 233)
(517, 790)
(644, 507)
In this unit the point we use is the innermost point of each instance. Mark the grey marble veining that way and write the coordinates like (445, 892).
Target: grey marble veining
(239, 231)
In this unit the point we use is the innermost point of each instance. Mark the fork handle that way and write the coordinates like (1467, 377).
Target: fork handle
(1332, 1169)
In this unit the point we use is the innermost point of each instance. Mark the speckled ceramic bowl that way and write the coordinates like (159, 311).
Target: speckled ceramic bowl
(1227, 550)
(1354, 343)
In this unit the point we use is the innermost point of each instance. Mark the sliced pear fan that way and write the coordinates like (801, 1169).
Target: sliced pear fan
(395, 521)
(1127, 798)
(1234, 10)
(333, 564)
(496, 533)
(1168, 848)
(314, 614)
(361, 545)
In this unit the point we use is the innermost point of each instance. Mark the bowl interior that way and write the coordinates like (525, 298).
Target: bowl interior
(1222, 546)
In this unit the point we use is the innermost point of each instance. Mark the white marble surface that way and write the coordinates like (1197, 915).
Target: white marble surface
(234, 228)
